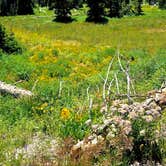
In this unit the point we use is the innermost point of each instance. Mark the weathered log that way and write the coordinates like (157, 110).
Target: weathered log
(13, 90)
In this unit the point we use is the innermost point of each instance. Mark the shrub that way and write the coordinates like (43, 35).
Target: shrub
(8, 42)
(137, 7)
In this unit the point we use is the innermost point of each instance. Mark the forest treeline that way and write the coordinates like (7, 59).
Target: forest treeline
(97, 11)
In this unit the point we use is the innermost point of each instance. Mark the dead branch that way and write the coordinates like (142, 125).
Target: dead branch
(126, 72)
(13, 90)
(106, 80)
(117, 83)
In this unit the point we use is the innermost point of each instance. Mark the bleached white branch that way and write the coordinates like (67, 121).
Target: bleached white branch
(117, 83)
(13, 90)
(109, 87)
(126, 72)
(106, 79)
(60, 88)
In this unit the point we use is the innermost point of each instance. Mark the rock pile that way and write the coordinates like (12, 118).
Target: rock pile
(117, 121)
(40, 147)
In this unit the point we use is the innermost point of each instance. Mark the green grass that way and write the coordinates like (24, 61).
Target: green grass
(76, 54)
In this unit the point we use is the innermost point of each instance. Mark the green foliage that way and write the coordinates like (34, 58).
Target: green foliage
(137, 7)
(145, 145)
(161, 137)
(8, 42)
(74, 127)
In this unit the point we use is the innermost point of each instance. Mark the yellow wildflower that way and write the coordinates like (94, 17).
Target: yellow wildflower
(52, 109)
(65, 113)
(44, 105)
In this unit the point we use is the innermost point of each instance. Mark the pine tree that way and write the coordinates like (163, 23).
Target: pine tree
(62, 10)
(96, 11)
(8, 44)
(8, 7)
(3, 7)
(114, 8)
(162, 4)
(14, 7)
(25, 7)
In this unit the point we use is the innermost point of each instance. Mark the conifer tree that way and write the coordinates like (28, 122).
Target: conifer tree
(162, 4)
(63, 10)
(25, 7)
(14, 7)
(8, 7)
(114, 8)
(96, 11)
(8, 44)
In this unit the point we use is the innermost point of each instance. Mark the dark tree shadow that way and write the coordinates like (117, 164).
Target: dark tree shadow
(100, 20)
(64, 19)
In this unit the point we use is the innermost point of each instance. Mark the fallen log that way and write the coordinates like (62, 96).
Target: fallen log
(13, 90)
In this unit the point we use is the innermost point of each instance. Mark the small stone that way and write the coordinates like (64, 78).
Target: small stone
(164, 90)
(153, 105)
(114, 130)
(107, 122)
(116, 102)
(113, 109)
(141, 111)
(78, 145)
(133, 115)
(142, 133)
(136, 163)
(148, 101)
(148, 112)
(101, 129)
(110, 135)
(88, 122)
(158, 108)
(158, 164)
(94, 141)
(124, 106)
(100, 138)
(155, 113)
(122, 111)
(103, 109)
(95, 127)
(157, 97)
(148, 118)
(136, 104)
(91, 137)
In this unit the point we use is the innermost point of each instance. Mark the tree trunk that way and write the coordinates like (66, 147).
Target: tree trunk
(13, 90)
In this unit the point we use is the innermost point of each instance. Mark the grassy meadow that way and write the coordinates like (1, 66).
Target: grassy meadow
(60, 62)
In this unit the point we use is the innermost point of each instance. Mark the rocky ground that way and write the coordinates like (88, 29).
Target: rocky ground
(113, 132)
